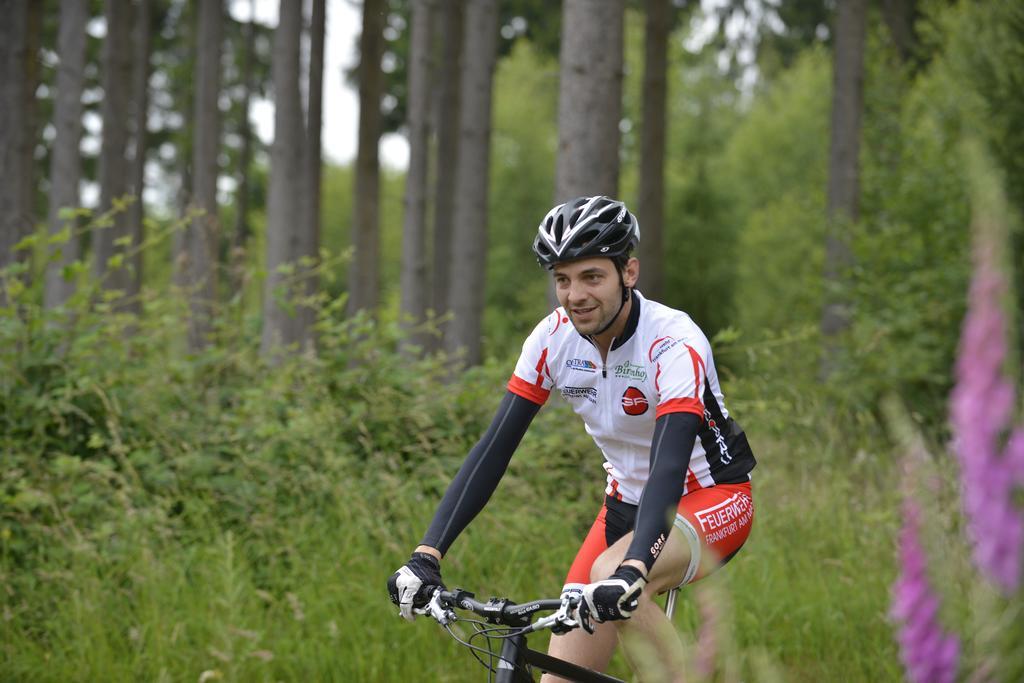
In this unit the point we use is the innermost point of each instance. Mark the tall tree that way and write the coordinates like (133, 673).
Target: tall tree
(447, 118)
(65, 159)
(309, 239)
(32, 63)
(364, 271)
(589, 98)
(287, 156)
(652, 145)
(114, 240)
(414, 228)
(469, 231)
(184, 100)
(140, 120)
(15, 221)
(201, 233)
(844, 169)
(242, 231)
(899, 17)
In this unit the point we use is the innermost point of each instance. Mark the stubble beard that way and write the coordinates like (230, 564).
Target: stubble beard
(590, 328)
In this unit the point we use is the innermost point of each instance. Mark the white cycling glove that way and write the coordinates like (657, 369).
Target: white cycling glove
(412, 585)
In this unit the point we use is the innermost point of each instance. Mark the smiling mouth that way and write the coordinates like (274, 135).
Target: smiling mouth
(584, 311)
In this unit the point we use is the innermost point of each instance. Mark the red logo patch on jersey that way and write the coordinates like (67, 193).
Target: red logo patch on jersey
(634, 402)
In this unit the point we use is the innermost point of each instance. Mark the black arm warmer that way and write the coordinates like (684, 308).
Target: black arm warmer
(674, 435)
(480, 473)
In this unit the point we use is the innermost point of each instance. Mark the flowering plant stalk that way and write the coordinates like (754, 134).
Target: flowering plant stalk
(989, 449)
(982, 406)
(929, 655)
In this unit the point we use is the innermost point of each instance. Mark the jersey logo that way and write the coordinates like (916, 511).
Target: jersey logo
(629, 370)
(581, 365)
(658, 545)
(589, 393)
(723, 446)
(660, 347)
(634, 402)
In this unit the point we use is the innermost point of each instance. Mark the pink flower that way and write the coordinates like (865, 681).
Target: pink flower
(928, 654)
(981, 411)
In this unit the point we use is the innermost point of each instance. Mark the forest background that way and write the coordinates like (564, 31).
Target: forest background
(229, 411)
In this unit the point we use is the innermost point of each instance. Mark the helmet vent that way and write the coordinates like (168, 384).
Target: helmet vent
(584, 227)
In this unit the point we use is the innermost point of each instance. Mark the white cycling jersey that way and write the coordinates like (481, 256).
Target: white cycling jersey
(662, 363)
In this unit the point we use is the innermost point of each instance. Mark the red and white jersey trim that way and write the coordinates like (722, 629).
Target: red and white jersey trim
(665, 366)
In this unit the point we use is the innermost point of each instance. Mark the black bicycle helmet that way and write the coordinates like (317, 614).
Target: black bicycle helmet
(586, 227)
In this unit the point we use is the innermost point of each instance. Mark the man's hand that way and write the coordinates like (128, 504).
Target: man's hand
(413, 584)
(573, 591)
(614, 598)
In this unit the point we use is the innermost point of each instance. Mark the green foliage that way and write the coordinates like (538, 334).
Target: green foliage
(523, 145)
(985, 59)
(222, 499)
(912, 261)
(166, 515)
(910, 265)
(984, 53)
(535, 21)
(777, 34)
(208, 514)
(169, 515)
(773, 174)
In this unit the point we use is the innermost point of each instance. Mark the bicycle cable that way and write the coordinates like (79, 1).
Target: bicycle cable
(475, 649)
(498, 634)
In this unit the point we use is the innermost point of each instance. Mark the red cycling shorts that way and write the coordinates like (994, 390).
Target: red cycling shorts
(714, 522)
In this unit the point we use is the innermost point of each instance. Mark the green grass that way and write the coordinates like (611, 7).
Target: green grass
(304, 598)
(165, 517)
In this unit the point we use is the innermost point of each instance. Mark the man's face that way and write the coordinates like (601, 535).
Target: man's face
(590, 292)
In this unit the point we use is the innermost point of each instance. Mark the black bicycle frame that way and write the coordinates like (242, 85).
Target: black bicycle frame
(515, 657)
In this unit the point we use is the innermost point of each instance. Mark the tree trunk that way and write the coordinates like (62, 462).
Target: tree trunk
(110, 244)
(287, 175)
(590, 99)
(469, 230)
(185, 101)
(844, 168)
(447, 93)
(652, 147)
(364, 270)
(32, 64)
(242, 229)
(309, 244)
(414, 228)
(140, 119)
(15, 221)
(65, 159)
(201, 233)
(899, 17)
(179, 251)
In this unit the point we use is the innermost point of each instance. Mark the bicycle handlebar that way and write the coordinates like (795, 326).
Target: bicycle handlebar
(502, 611)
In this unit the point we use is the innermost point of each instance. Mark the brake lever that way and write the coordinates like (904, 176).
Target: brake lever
(563, 620)
(440, 613)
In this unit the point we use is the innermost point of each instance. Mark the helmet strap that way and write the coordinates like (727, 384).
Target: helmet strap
(622, 304)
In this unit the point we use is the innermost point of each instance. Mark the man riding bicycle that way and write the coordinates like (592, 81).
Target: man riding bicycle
(678, 500)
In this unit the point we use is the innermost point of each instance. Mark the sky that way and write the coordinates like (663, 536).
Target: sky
(341, 101)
